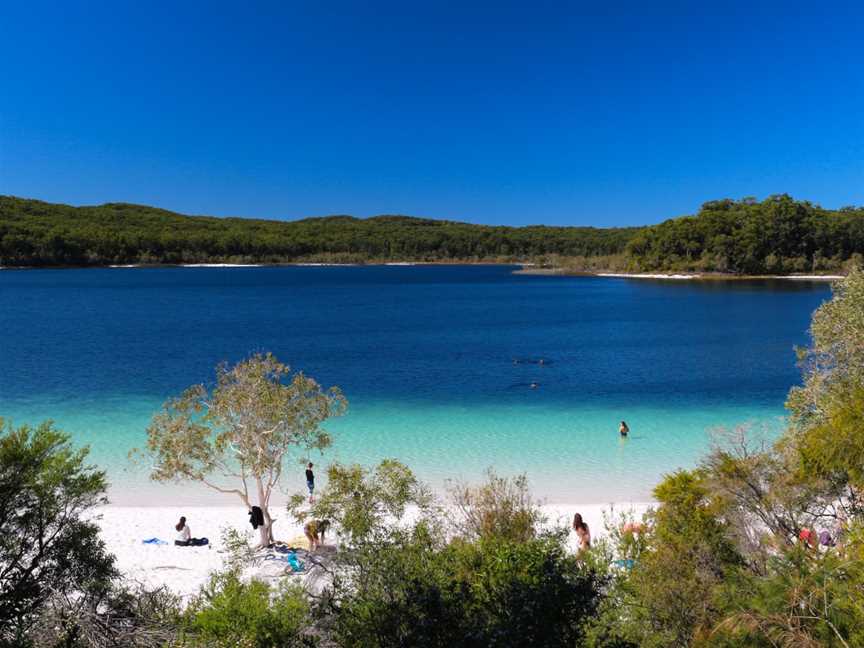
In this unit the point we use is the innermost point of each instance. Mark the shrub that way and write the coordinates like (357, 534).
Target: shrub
(47, 548)
(230, 612)
(488, 593)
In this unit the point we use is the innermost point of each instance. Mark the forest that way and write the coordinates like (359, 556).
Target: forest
(779, 235)
(34, 233)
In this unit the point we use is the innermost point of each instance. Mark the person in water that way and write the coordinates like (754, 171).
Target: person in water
(314, 531)
(623, 429)
(583, 534)
(184, 535)
(534, 385)
(310, 482)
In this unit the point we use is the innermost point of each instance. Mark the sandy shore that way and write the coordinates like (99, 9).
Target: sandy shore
(185, 569)
(708, 276)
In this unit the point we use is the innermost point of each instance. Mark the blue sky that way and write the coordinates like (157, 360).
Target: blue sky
(557, 113)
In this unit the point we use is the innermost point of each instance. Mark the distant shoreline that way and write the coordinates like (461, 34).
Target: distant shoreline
(523, 269)
(293, 264)
(671, 276)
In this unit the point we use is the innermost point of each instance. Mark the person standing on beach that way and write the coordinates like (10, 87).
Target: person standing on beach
(583, 534)
(623, 430)
(310, 482)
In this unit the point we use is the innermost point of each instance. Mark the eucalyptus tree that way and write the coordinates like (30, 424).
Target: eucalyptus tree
(833, 365)
(236, 436)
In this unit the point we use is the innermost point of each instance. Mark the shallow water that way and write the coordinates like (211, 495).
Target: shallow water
(436, 361)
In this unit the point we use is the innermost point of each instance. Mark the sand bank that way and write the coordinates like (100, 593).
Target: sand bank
(648, 275)
(185, 569)
(220, 265)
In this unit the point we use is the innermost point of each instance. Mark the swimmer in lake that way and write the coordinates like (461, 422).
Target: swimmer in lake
(623, 429)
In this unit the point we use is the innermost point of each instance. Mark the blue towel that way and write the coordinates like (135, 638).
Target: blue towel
(153, 541)
(296, 565)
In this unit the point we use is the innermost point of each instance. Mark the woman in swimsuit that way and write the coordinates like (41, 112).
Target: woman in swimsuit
(583, 534)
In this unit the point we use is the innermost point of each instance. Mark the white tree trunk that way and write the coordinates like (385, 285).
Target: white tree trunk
(266, 530)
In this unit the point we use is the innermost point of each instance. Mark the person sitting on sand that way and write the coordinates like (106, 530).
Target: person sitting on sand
(623, 429)
(583, 534)
(314, 530)
(184, 536)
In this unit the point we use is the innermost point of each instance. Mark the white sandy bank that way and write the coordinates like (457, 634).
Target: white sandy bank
(185, 569)
(623, 275)
(646, 275)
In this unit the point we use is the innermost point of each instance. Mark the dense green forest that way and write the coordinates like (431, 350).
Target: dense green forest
(777, 235)
(35, 233)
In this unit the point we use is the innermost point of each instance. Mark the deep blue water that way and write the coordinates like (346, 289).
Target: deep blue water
(425, 356)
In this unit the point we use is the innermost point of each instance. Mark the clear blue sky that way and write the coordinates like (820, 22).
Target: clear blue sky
(529, 112)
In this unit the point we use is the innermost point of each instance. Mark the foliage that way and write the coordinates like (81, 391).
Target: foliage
(365, 506)
(242, 429)
(43, 234)
(806, 599)
(488, 593)
(668, 596)
(501, 508)
(398, 579)
(776, 236)
(833, 365)
(48, 547)
(833, 449)
(230, 612)
(129, 618)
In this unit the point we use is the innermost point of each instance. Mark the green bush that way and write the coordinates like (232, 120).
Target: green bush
(230, 612)
(489, 593)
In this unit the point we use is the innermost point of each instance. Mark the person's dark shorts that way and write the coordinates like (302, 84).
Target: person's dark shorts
(193, 542)
(311, 486)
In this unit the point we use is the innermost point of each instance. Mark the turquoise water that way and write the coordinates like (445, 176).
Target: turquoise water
(425, 356)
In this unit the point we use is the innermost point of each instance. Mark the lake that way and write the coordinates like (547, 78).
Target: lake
(437, 363)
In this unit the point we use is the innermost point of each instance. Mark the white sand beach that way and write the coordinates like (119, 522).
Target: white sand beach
(624, 275)
(220, 265)
(184, 570)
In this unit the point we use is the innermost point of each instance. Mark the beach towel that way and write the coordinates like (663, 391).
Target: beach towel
(296, 565)
(154, 541)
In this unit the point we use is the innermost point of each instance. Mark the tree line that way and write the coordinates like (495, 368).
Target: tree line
(34, 233)
(778, 235)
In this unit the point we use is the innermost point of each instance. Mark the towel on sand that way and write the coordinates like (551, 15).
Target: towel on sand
(154, 541)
